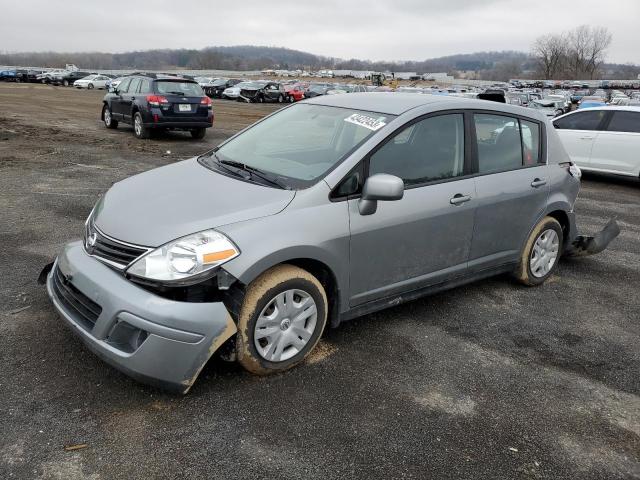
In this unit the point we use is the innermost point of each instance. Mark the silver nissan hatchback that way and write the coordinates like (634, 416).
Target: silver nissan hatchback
(326, 210)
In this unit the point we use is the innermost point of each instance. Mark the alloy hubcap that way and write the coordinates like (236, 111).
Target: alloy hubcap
(107, 117)
(138, 126)
(544, 253)
(285, 325)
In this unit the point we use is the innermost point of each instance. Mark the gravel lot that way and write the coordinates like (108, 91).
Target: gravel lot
(489, 381)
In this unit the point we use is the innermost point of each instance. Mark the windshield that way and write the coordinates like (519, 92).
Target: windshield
(190, 89)
(302, 143)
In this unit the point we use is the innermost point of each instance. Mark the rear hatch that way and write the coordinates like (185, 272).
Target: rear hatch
(185, 100)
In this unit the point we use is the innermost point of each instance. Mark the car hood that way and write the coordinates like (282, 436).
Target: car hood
(166, 203)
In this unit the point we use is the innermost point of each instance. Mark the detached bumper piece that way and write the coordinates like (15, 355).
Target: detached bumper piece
(584, 245)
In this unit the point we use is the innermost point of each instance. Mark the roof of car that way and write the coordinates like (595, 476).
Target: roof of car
(395, 103)
(624, 108)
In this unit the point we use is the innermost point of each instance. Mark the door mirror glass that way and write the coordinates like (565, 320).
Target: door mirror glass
(379, 187)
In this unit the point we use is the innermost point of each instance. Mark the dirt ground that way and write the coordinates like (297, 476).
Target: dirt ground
(488, 381)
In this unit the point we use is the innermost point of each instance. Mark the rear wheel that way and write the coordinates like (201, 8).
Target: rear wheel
(198, 133)
(65, 83)
(280, 98)
(109, 122)
(541, 253)
(139, 129)
(281, 319)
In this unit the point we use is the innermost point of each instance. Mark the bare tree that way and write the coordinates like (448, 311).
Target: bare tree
(550, 53)
(586, 50)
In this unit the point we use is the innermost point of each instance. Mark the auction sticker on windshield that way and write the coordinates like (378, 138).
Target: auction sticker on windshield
(365, 121)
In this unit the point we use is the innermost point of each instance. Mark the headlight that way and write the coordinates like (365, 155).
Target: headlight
(185, 257)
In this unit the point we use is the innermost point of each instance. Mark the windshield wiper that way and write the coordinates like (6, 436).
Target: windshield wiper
(253, 171)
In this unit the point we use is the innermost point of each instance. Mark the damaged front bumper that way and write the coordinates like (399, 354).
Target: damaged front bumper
(152, 339)
(584, 245)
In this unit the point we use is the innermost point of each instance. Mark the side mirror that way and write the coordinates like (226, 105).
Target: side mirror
(379, 187)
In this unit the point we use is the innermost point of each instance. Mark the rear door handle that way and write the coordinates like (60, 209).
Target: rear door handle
(459, 199)
(538, 182)
(587, 138)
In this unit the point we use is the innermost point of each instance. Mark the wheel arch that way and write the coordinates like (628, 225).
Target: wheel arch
(317, 266)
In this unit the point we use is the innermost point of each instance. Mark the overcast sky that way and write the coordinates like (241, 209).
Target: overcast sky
(375, 30)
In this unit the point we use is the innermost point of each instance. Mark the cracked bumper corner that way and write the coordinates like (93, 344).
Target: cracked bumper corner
(178, 337)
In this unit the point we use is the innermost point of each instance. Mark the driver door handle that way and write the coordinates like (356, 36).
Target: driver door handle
(538, 182)
(459, 199)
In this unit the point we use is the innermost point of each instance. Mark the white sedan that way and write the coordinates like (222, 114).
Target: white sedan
(92, 81)
(603, 139)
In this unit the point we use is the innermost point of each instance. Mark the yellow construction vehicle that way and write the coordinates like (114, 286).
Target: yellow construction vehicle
(380, 80)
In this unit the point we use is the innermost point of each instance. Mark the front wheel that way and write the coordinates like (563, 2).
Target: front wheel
(109, 122)
(139, 129)
(65, 83)
(281, 319)
(198, 133)
(541, 253)
(90, 86)
(280, 98)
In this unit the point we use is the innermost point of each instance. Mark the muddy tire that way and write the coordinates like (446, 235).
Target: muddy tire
(541, 253)
(107, 118)
(139, 130)
(198, 133)
(282, 317)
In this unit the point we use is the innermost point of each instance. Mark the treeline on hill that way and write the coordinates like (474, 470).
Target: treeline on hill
(484, 65)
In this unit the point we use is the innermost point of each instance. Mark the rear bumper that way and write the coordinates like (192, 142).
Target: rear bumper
(177, 125)
(152, 339)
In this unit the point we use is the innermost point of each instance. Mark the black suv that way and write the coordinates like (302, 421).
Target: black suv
(215, 88)
(151, 102)
(66, 79)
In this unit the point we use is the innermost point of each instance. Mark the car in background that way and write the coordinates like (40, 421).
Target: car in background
(317, 90)
(233, 93)
(591, 104)
(565, 99)
(261, 92)
(216, 88)
(295, 92)
(603, 139)
(204, 81)
(68, 78)
(45, 77)
(151, 102)
(551, 107)
(113, 82)
(10, 75)
(92, 81)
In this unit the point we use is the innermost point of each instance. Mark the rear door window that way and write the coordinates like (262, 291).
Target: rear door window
(625, 122)
(124, 85)
(133, 87)
(581, 120)
(499, 143)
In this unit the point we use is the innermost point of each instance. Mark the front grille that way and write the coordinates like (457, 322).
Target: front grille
(74, 301)
(116, 253)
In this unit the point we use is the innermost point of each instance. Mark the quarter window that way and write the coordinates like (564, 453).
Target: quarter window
(581, 120)
(499, 143)
(625, 122)
(530, 142)
(429, 150)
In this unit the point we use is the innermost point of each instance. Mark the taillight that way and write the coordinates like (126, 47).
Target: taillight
(206, 101)
(572, 169)
(156, 100)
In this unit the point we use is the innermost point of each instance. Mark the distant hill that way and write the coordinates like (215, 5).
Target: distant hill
(498, 65)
